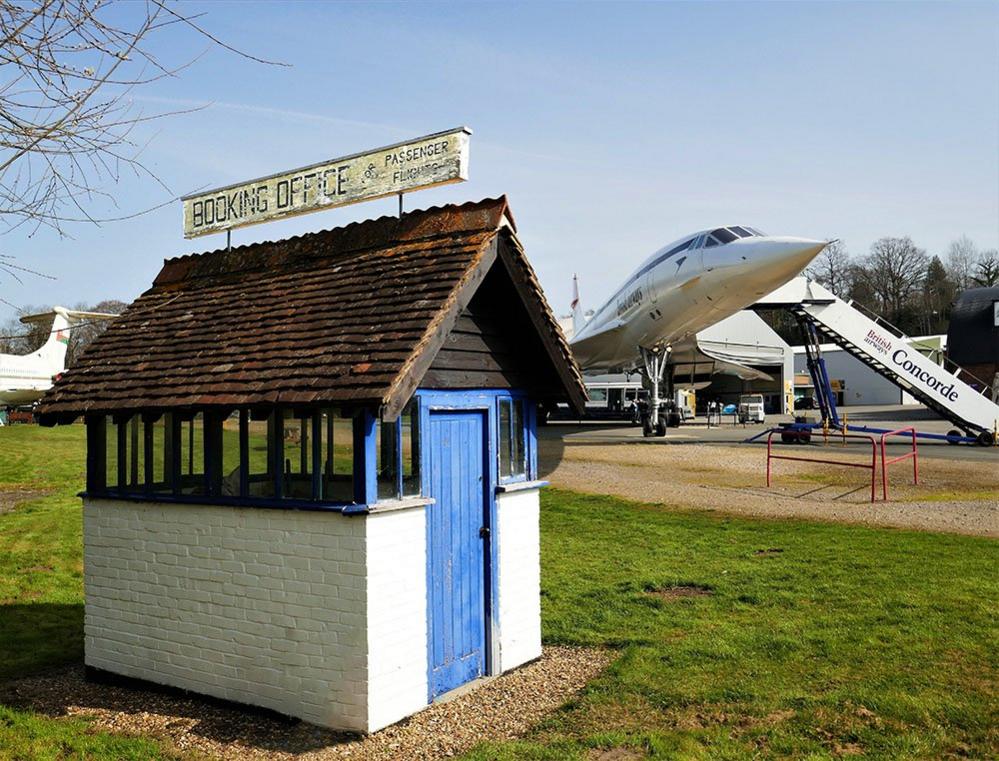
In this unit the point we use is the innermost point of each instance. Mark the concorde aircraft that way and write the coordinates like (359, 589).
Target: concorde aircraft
(650, 322)
(25, 377)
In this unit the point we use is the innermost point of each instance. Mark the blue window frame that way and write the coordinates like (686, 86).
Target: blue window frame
(398, 456)
(273, 456)
(512, 439)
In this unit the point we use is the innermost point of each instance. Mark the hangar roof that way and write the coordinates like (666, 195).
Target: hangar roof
(355, 314)
(973, 334)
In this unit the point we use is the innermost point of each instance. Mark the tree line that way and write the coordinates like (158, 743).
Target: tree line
(901, 282)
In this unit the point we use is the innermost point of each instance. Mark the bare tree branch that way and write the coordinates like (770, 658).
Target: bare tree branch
(68, 69)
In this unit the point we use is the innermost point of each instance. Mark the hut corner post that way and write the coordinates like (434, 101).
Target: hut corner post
(365, 458)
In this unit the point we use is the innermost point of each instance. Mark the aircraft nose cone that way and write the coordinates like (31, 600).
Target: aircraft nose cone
(797, 253)
(767, 263)
(780, 259)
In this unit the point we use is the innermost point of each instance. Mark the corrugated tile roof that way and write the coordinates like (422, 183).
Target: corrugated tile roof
(342, 315)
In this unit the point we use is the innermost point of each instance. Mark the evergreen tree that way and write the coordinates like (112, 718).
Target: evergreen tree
(938, 297)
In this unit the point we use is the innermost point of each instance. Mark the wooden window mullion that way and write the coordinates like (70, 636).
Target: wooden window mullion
(277, 432)
(317, 456)
(398, 456)
(96, 454)
(147, 459)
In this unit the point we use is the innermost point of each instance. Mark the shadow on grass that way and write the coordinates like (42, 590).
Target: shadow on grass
(39, 636)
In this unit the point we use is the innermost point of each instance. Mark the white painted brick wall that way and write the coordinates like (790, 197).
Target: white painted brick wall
(519, 577)
(265, 607)
(397, 615)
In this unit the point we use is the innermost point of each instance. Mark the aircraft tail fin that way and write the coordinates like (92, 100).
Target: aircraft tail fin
(53, 351)
(578, 321)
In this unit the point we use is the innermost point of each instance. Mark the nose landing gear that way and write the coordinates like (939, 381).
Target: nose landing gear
(655, 413)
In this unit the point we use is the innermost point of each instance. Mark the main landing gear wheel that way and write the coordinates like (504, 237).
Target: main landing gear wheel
(985, 439)
(954, 437)
(646, 428)
(661, 427)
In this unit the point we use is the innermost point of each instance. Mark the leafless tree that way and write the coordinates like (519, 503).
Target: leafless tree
(17, 337)
(84, 332)
(68, 123)
(894, 272)
(987, 269)
(961, 257)
(833, 269)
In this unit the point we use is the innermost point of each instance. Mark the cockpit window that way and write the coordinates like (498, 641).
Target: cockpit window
(756, 232)
(711, 241)
(725, 236)
(663, 257)
(742, 232)
(677, 249)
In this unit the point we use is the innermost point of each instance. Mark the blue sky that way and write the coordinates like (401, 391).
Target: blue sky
(613, 127)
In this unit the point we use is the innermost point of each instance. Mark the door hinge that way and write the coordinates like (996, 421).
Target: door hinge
(484, 532)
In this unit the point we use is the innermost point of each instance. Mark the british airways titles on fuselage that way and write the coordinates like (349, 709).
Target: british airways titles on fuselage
(687, 286)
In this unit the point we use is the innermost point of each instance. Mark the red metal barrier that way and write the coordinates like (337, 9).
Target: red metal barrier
(873, 467)
(913, 453)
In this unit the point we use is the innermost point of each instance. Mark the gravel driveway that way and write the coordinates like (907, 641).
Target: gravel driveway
(503, 708)
(953, 495)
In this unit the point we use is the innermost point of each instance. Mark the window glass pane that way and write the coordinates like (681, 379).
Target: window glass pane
(337, 431)
(518, 462)
(505, 414)
(725, 236)
(261, 439)
(388, 438)
(411, 449)
(710, 242)
(297, 455)
(110, 453)
(682, 247)
(192, 455)
(230, 472)
(741, 232)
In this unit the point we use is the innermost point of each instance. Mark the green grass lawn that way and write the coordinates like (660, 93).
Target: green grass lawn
(848, 642)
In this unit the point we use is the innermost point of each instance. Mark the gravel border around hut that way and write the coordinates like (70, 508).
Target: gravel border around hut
(502, 708)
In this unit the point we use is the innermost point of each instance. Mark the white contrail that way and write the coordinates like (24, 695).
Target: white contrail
(267, 111)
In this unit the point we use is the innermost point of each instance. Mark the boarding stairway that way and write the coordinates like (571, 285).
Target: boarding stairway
(884, 349)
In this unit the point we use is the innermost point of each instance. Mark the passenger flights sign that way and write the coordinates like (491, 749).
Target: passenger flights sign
(415, 164)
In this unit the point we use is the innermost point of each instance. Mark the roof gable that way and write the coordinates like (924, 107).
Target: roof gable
(349, 315)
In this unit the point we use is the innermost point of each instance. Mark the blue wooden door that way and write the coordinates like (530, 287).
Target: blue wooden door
(455, 564)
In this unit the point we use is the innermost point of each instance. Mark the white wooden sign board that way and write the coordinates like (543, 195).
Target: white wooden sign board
(424, 162)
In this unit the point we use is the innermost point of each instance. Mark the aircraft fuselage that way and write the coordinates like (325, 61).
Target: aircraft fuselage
(685, 287)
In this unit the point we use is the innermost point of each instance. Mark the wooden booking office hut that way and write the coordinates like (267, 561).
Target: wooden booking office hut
(312, 467)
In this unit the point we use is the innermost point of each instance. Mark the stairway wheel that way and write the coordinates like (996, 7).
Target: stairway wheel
(985, 439)
(954, 437)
